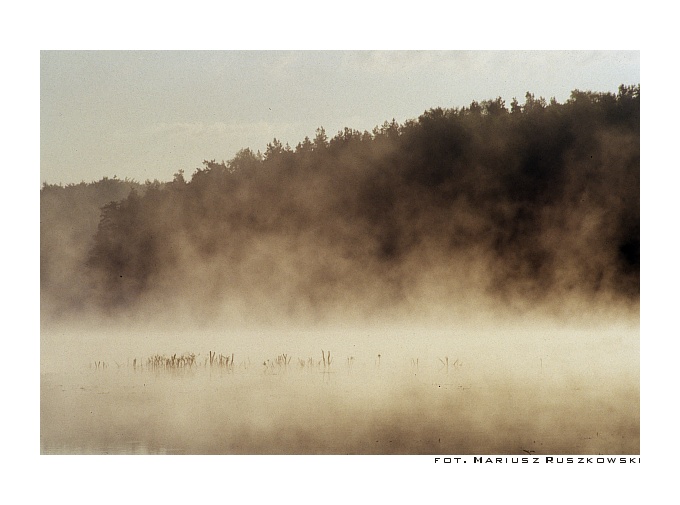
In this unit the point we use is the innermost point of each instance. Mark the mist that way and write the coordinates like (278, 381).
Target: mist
(504, 240)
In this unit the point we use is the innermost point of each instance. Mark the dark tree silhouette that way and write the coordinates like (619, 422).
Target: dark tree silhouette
(543, 198)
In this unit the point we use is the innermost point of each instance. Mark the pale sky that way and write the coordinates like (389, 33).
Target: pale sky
(145, 114)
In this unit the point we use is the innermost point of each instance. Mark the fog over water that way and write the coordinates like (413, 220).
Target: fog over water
(553, 389)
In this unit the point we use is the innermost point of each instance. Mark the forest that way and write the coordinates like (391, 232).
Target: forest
(523, 204)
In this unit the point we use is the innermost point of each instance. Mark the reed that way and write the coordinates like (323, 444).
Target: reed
(326, 358)
(160, 361)
(99, 365)
(225, 361)
(283, 360)
(445, 364)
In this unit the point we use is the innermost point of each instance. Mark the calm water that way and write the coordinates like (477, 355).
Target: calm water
(535, 396)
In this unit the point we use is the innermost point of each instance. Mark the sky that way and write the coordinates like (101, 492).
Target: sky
(144, 115)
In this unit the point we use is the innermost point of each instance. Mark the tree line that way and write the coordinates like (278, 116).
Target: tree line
(527, 201)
